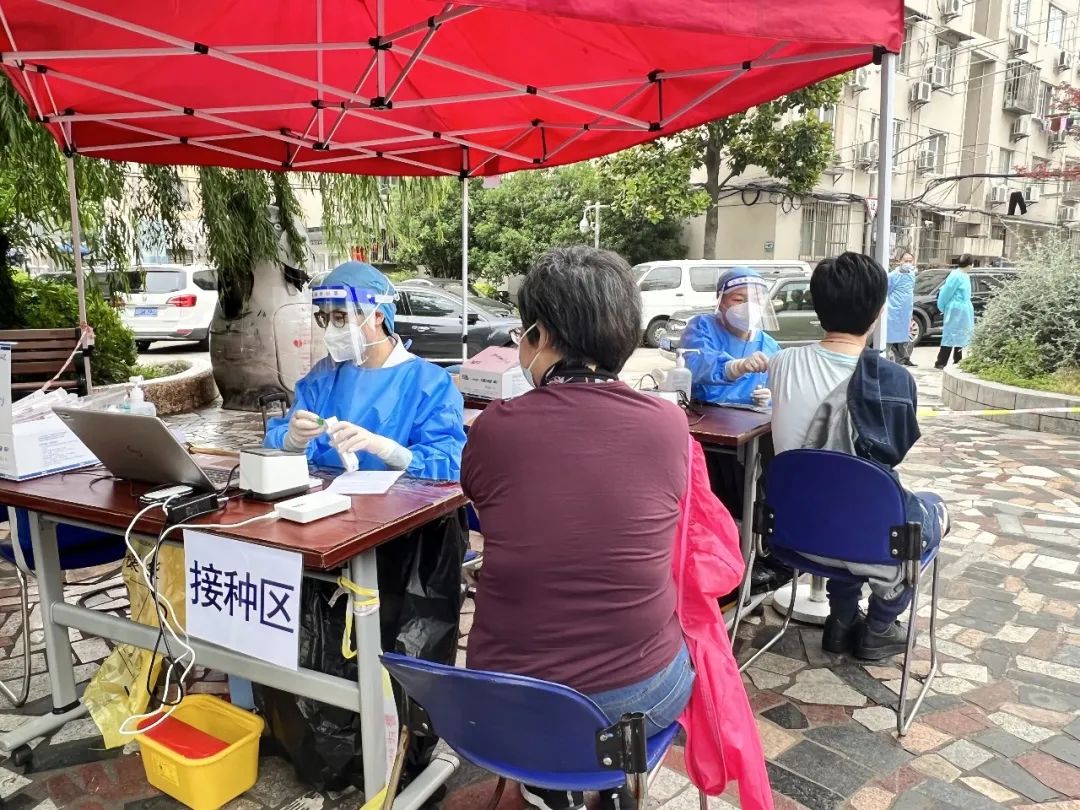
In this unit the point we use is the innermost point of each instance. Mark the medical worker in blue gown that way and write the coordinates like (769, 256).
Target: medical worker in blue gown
(730, 363)
(393, 409)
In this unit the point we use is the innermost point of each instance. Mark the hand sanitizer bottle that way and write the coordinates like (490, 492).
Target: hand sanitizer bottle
(136, 399)
(679, 379)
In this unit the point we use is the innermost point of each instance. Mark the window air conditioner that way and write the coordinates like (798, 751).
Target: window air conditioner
(920, 93)
(1031, 194)
(1057, 140)
(937, 77)
(860, 80)
(927, 161)
(1064, 60)
(868, 153)
(1021, 128)
(1067, 213)
(951, 9)
(1019, 42)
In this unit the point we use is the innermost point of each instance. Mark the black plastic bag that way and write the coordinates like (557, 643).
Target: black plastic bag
(420, 606)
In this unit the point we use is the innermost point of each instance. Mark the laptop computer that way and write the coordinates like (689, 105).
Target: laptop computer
(139, 448)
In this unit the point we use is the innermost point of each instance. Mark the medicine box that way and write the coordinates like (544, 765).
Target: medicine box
(493, 374)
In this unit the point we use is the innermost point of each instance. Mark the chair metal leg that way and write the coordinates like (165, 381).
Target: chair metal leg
(904, 717)
(24, 608)
(395, 771)
(744, 592)
(496, 797)
(783, 628)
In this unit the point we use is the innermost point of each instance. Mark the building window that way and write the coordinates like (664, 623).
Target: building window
(1020, 11)
(1045, 104)
(897, 136)
(945, 58)
(825, 228)
(1021, 87)
(936, 240)
(905, 49)
(932, 154)
(1055, 27)
(904, 231)
(1006, 161)
(827, 115)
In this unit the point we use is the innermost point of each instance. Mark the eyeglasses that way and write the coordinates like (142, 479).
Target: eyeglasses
(338, 317)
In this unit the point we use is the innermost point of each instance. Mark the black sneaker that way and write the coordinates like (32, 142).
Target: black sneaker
(909, 364)
(839, 637)
(552, 799)
(616, 800)
(873, 646)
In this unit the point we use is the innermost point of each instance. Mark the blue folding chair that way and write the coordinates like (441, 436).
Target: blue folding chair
(79, 548)
(836, 505)
(530, 731)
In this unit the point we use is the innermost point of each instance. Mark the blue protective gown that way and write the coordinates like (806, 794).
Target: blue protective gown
(414, 403)
(954, 301)
(716, 348)
(901, 303)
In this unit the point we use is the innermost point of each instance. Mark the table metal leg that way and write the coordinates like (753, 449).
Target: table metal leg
(362, 571)
(750, 459)
(66, 705)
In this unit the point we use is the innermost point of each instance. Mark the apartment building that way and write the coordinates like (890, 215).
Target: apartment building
(974, 97)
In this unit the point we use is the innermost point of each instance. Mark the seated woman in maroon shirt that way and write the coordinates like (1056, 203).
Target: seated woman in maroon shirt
(577, 485)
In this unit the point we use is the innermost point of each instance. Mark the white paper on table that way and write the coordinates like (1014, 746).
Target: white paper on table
(365, 482)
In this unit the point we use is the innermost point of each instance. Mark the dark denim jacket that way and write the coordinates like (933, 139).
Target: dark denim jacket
(882, 401)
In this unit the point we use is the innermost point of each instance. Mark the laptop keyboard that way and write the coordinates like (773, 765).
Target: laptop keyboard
(217, 476)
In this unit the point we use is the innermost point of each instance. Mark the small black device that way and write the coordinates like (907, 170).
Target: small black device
(189, 507)
(164, 494)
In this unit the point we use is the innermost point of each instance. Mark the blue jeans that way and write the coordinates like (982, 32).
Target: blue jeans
(660, 698)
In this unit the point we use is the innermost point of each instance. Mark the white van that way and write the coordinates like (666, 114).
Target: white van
(669, 286)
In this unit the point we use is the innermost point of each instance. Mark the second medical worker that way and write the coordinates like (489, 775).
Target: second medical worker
(395, 410)
(730, 361)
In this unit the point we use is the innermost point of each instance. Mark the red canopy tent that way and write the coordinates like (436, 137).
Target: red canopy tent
(420, 86)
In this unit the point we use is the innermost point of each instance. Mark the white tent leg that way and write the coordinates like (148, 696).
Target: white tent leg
(76, 251)
(465, 269)
(885, 161)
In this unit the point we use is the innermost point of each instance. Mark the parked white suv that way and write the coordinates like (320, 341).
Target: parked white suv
(670, 286)
(170, 302)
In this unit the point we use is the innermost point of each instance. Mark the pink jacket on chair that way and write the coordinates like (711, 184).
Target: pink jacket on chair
(722, 741)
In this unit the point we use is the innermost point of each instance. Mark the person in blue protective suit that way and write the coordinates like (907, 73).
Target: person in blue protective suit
(954, 301)
(729, 350)
(393, 409)
(899, 306)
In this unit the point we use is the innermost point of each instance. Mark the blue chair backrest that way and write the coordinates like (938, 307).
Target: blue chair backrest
(833, 505)
(79, 547)
(504, 723)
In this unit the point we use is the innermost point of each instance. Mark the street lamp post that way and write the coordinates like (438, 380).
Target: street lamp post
(583, 226)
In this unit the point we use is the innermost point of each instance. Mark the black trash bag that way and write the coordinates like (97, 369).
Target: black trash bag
(420, 605)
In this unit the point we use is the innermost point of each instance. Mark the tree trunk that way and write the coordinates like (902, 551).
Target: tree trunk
(9, 310)
(712, 186)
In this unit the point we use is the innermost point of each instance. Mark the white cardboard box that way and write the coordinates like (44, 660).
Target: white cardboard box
(493, 374)
(37, 448)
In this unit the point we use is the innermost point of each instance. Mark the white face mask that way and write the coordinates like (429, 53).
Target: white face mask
(526, 371)
(737, 317)
(341, 343)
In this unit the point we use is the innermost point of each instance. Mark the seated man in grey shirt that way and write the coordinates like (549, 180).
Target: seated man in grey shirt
(839, 395)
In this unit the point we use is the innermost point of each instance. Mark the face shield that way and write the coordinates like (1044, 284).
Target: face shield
(346, 316)
(744, 306)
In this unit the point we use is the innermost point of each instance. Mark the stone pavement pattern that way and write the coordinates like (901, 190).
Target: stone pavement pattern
(1001, 729)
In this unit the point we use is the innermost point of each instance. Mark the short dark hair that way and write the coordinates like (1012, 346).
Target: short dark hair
(965, 261)
(589, 303)
(849, 292)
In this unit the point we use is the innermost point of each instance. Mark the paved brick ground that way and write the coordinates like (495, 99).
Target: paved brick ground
(1001, 729)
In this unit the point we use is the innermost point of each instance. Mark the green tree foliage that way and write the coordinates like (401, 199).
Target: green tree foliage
(1030, 330)
(529, 212)
(54, 305)
(784, 137)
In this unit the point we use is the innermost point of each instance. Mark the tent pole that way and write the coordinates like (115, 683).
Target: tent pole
(80, 281)
(464, 268)
(885, 161)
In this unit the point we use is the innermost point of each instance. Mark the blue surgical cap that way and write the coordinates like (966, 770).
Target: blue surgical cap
(362, 276)
(733, 274)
